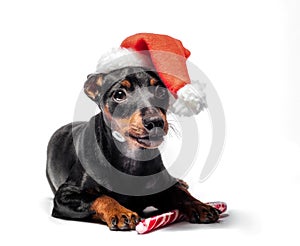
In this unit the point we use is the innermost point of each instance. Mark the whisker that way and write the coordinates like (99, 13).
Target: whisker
(174, 130)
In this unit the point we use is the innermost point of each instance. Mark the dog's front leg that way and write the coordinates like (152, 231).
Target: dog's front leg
(194, 211)
(71, 202)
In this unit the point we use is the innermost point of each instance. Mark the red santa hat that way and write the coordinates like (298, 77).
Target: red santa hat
(168, 57)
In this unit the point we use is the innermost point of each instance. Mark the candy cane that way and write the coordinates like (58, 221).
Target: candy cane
(158, 221)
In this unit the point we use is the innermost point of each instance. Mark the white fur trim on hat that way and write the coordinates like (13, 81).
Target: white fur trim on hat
(191, 100)
(121, 57)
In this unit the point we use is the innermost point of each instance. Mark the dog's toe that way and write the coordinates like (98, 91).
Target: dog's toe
(195, 218)
(197, 212)
(113, 225)
(124, 221)
(211, 215)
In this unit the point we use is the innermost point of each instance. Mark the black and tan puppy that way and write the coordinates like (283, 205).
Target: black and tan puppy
(83, 156)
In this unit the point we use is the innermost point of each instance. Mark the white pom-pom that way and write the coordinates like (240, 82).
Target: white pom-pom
(120, 57)
(191, 100)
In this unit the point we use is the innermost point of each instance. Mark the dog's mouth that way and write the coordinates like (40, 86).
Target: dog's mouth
(151, 140)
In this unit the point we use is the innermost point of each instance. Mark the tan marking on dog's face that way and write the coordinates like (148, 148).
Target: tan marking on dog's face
(124, 126)
(107, 113)
(166, 124)
(132, 127)
(153, 82)
(126, 84)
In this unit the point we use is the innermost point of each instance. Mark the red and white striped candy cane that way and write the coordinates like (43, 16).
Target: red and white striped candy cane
(221, 206)
(158, 221)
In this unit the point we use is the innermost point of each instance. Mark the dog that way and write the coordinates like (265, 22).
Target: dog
(124, 136)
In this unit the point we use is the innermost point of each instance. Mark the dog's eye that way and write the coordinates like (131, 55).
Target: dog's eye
(119, 96)
(160, 92)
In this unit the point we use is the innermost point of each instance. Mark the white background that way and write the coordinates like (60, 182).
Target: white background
(248, 49)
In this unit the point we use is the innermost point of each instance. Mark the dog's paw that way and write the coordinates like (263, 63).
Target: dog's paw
(123, 220)
(198, 212)
(114, 214)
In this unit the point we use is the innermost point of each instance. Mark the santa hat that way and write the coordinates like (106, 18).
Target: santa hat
(167, 56)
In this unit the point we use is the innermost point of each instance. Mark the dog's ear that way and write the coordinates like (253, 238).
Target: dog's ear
(93, 85)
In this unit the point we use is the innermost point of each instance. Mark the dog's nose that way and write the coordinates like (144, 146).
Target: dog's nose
(152, 122)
